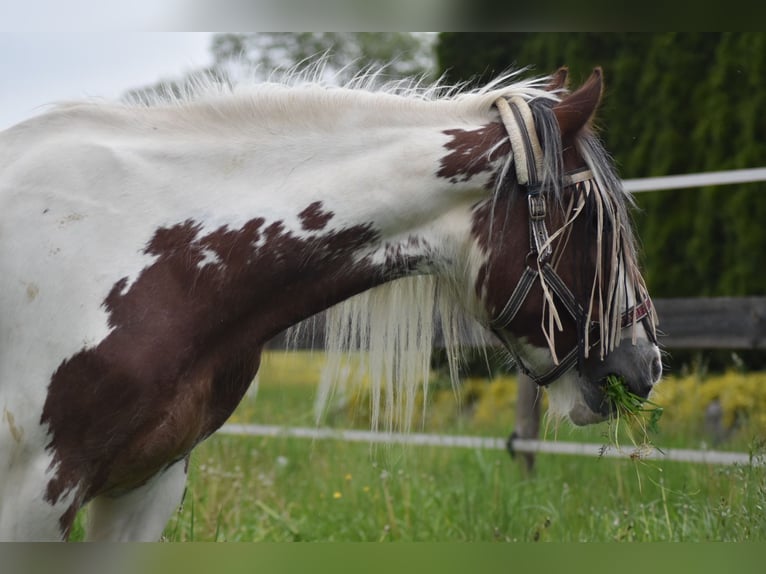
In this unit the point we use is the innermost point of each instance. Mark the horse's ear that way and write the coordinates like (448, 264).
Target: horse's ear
(558, 80)
(574, 111)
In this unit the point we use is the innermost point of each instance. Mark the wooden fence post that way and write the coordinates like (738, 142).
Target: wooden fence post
(527, 424)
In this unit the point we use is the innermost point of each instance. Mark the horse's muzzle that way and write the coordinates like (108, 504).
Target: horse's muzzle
(639, 365)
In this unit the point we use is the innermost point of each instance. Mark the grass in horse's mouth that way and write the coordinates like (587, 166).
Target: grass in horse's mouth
(640, 417)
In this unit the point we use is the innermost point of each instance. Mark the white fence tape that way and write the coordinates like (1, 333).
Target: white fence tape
(519, 445)
(695, 180)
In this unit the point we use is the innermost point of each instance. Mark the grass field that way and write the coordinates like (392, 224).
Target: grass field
(291, 490)
(279, 489)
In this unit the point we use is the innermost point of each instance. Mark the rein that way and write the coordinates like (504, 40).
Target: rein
(528, 159)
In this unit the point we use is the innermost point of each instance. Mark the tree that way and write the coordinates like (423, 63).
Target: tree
(260, 56)
(346, 54)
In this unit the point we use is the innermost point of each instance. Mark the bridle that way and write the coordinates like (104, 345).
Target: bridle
(528, 159)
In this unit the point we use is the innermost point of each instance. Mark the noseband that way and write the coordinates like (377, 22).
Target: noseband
(528, 159)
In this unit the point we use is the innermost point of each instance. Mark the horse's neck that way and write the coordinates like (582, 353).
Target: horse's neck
(364, 174)
(284, 218)
(342, 211)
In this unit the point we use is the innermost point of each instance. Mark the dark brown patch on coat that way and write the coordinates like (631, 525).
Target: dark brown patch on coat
(470, 152)
(185, 345)
(313, 218)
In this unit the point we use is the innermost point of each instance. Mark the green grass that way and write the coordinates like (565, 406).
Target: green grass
(633, 416)
(267, 489)
(279, 489)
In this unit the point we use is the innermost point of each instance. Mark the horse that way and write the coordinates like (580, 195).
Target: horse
(149, 251)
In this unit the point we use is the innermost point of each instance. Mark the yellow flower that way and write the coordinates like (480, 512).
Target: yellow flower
(348, 476)
(336, 495)
(365, 488)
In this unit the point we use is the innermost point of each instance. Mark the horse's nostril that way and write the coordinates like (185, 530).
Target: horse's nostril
(656, 369)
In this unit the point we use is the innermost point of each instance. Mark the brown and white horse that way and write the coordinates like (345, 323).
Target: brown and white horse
(148, 252)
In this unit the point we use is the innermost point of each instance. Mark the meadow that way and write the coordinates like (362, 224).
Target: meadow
(285, 489)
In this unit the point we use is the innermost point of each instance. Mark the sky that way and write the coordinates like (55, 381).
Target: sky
(40, 68)
(110, 47)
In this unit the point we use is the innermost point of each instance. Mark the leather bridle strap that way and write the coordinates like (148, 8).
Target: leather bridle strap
(527, 157)
(516, 299)
(631, 316)
(637, 313)
(563, 292)
(519, 295)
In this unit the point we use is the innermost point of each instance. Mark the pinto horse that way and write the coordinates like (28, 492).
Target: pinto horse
(149, 251)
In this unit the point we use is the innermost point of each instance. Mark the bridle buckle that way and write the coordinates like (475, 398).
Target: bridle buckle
(536, 203)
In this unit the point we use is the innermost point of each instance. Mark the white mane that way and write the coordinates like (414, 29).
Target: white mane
(301, 99)
(368, 86)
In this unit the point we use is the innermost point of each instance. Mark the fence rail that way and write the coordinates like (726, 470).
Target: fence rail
(713, 322)
(695, 180)
(519, 445)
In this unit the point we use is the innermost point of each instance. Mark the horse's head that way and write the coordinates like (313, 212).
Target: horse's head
(561, 284)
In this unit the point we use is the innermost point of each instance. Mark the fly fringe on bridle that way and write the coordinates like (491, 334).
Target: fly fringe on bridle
(610, 292)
